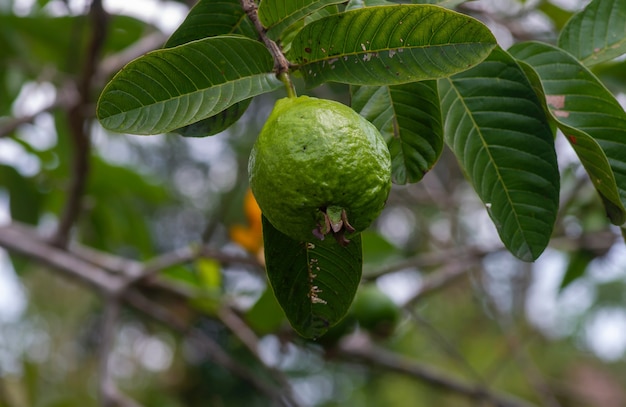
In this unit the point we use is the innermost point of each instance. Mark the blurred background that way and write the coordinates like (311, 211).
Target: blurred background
(447, 316)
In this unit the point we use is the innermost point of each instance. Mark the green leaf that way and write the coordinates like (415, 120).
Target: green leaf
(576, 267)
(442, 3)
(589, 115)
(217, 123)
(496, 126)
(409, 117)
(597, 33)
(355, 4)
(60, 41)
(315, 282)
(25, 196)
(278, 15)
(172, 88)
(389, 45)
(266, 316)
(209, 18)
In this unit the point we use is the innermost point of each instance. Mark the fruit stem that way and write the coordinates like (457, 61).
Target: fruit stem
(334, 220)
(286, 79)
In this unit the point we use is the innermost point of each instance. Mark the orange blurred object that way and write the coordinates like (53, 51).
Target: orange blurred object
(250, 237)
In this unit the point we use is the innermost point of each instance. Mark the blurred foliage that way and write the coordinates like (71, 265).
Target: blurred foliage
(145, 197)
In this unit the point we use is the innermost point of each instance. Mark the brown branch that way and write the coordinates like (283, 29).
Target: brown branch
(247, 336)
(358, 349)
(467, 254)
(79, 128)
(281, 65)
(201, 341)
(21, 240)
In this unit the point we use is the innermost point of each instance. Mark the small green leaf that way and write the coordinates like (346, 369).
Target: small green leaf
(589, 115)
(496, 126)
(389, 45)
(209, 18)
(175, 87)
(266, 316)
(278, 15)
(576, 267)
(409, 117)
(597, 33)
(314, 282)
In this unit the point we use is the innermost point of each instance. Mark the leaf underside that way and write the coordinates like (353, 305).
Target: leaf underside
(314, 283)
(389, 45)
(209, 18)
(496, 127)
(589, 115)
(596, 34)
(409, 117)
(171, 88)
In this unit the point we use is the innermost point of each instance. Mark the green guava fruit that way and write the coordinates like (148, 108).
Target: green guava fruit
(375, 311)
(319, 168)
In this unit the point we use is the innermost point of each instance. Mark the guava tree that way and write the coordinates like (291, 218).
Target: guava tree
(426, 75)
(454, 107)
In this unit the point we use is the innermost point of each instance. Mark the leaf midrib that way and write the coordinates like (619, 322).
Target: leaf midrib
(496, 168)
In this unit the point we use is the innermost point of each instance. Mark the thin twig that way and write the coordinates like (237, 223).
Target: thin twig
(466, 255)
(445, 276)
(202, 341)
(247, 336)
(360, 350)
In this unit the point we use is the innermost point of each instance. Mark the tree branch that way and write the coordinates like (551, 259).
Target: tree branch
(201, 341)
(247, 336)
(23, 241)
(79, 128)
(281, 65)
(362, 351)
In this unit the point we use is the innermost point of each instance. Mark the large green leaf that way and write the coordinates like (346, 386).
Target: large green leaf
(314, 282)
(590, 117)
(496, 126)
(209, 18)
(409, 117)
(389, 45)
(171, 88)
(442, 3)
(277, 15)
(596, 34)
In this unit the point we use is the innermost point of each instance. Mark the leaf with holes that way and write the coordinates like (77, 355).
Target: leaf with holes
(496, 126)
(389, 45)
(278, 15)
(409, 117)
(314, 283)
(597, 33)
(175, 87)
(589, 115)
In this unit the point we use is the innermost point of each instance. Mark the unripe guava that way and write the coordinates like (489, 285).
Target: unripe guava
(319, 168)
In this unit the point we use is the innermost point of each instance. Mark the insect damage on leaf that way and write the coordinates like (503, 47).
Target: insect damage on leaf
(313, 289)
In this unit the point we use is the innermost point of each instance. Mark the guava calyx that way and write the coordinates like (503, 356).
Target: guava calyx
(334, 220)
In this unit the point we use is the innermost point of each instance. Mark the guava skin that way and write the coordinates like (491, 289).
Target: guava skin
(319, 168)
